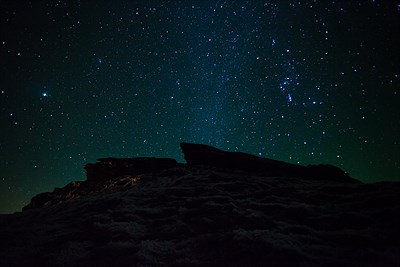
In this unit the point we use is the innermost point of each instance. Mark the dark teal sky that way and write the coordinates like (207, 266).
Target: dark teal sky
(299, 81)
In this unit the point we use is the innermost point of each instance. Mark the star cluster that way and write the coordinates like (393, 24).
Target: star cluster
(299, 81)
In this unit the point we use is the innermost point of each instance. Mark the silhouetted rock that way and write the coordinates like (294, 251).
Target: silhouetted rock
(328, 172)
(220, 209)
(39, 201)
(198, 154)
(113, 173)
(107, 174)
(58, 195)
(110, 168)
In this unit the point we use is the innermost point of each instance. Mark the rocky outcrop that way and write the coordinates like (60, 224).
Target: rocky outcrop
(197, 215)
(328, 172)
(198, 154)
(76, 190)
(105, 175)
(58, 195)
(111, 168)
(116, 173)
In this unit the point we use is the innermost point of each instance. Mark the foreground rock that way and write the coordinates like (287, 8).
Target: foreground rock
(105, 175)
(208, 214)
(110, 173)
(111, 168)
(198, 154)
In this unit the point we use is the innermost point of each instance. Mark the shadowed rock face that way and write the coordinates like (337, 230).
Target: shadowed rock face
(105, 175)
(198, 154)
(220, 209)
(120, 171)
(110, 168)
(57, 196)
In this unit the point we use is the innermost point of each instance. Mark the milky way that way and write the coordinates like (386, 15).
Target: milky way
(299, 81)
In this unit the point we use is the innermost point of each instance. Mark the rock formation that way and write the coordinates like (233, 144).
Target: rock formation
(112, 173)
(110, 168)
(57, 196)
(219, 209)
(107, 174)
(198, 154)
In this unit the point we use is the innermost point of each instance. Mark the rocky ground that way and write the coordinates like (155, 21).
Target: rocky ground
(204, 215)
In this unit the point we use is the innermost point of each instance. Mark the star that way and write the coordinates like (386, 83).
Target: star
(236, 76)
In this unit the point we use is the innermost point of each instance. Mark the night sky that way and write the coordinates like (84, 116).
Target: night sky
(299, 81)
